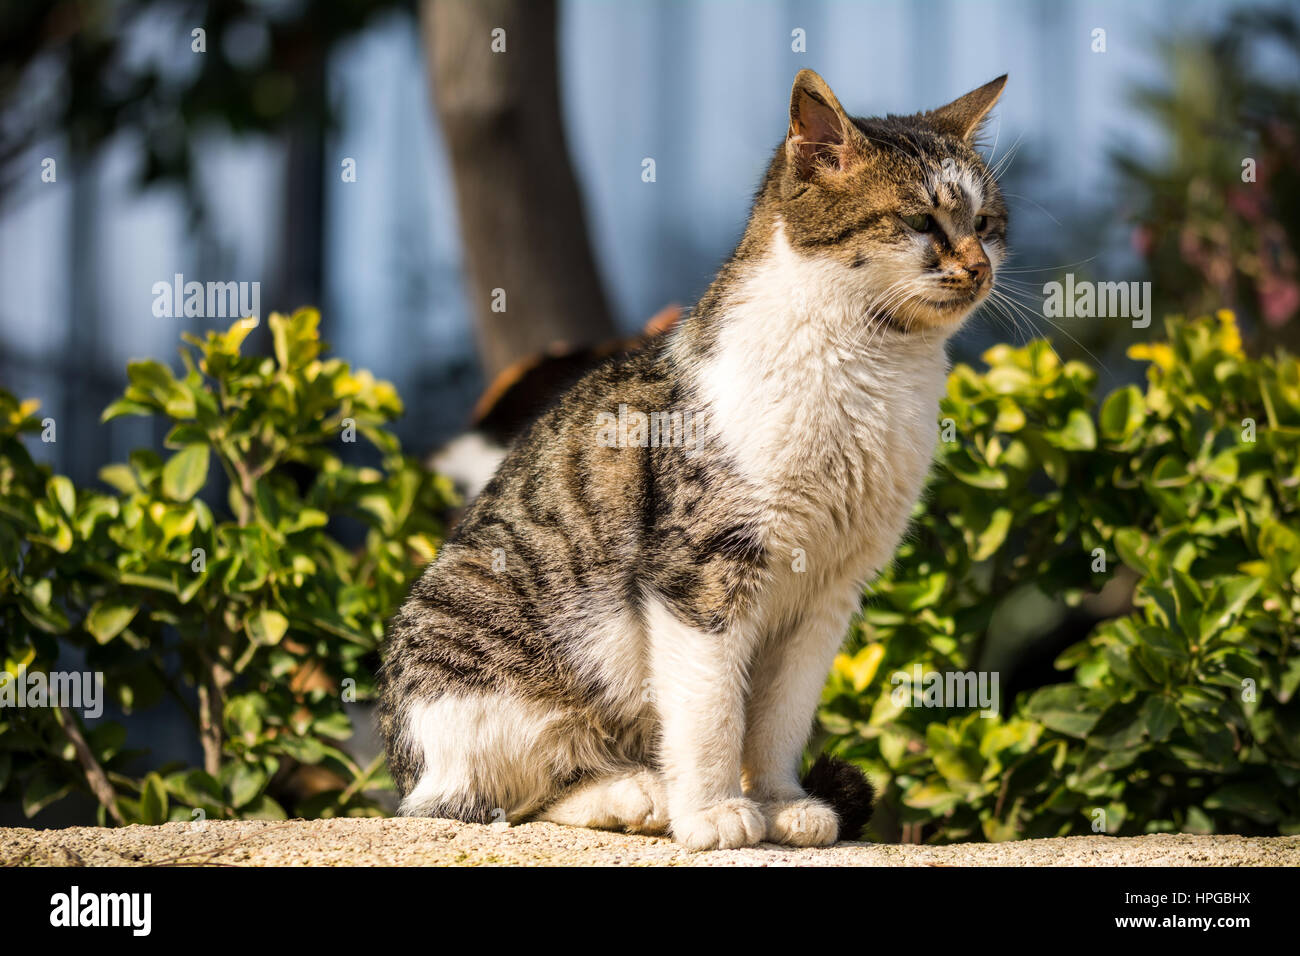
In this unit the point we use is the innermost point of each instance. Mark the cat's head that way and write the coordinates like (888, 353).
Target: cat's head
(901, 211)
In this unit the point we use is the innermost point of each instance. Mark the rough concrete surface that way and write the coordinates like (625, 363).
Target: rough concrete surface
(420, 842)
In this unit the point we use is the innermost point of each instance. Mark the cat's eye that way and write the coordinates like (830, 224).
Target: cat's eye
(921, 223)
(981, 223)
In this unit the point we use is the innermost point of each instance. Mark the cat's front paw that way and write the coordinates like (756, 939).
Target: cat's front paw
(803, 822)
(723, 826)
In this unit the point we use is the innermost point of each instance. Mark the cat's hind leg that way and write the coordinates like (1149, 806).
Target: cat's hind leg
(633, 801)
(480, 757)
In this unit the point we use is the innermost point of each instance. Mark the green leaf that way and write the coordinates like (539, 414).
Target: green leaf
(1078, 433)
(62, 492)
(266, 626)
(991, 538)
(186, 433)
(1255, 800)
(42, 790)
(915, 595)
(196, 788)
(40, 593)
(244, 781)
(185, 472)
(1118, 728)
(153, 800)
(1223, 467)
(1130, 543)
(336, 725)
(1122, 414)
(109, 618)
(933, 796)
(1063, 708)
(977, 475)
(861, 668)
(1230, 597)
(120, 477)
(263, 808)
(999, 831)
(1160, 715)
(1188, 599)
(1010, 416)
(1170, 472)
(155, 582)
(125, 406)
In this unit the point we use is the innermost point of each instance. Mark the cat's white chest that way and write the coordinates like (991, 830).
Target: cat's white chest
(831, 435)
(833, 458)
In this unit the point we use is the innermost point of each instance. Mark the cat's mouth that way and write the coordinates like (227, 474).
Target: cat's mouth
(947, 311)
(952, 303)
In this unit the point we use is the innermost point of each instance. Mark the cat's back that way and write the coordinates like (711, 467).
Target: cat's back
(575, 482)
(554, 537)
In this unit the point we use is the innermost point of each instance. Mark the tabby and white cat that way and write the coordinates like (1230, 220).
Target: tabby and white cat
(634, 633)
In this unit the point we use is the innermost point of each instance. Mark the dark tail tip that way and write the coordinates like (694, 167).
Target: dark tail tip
(846, 789)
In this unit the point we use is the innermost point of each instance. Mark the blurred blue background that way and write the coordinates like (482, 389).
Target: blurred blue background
(702, 88)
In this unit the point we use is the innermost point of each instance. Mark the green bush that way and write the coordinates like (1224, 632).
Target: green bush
(267, 606)
(1178, 714)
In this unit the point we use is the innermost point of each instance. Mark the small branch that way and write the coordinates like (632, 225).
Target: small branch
(212, 703)
(360, 780)
(246, 491)
(95, 776)
(209, 729)
(244, 505)
(213, 684)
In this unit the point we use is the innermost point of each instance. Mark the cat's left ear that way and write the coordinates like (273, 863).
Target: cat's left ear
(964, 116)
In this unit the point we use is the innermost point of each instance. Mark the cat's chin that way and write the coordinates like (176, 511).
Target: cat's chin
(941, 314)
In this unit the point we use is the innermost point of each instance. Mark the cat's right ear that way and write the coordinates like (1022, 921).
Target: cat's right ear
(821, 137)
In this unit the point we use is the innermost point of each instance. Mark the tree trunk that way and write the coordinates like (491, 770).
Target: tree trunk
(299, 279)
(532, 279)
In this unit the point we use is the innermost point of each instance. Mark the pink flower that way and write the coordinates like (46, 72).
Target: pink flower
(1278, 299)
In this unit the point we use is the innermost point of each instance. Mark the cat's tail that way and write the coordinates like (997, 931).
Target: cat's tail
(846, 789)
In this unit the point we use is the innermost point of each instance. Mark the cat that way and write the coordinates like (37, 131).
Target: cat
(631, 626)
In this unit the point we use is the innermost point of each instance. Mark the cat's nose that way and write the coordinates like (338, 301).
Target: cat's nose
(978, 271)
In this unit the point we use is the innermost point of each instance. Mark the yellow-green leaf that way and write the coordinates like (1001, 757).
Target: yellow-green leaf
(185, 473)
(265, 626)
(109, 618)
(61, 490)
(1122, 414)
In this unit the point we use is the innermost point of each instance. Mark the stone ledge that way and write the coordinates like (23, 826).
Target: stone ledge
(420, 842)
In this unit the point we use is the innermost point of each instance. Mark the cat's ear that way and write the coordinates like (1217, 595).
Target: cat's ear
(964, 116)
(821, 134)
